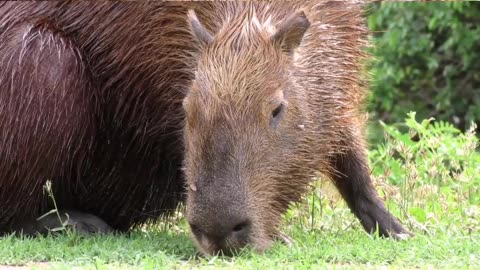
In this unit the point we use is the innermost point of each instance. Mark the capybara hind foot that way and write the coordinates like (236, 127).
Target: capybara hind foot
(81, 223)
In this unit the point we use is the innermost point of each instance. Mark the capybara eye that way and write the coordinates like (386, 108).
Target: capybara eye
(276, 114)
(277, 111)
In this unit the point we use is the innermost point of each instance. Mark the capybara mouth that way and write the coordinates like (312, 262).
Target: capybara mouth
(234, 245)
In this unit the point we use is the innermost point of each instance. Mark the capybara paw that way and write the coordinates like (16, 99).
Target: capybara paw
(79, 222)
(86, 228)
(402, 236)
(393, 229)
(86, 224)
(398, 232)
(285, 239)
(377, 220)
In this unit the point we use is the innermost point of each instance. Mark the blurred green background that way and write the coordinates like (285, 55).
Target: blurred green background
(426, 59)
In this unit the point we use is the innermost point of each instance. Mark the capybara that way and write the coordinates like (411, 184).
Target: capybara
(126, 107)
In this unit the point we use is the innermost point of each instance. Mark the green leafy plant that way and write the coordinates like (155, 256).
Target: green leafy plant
(428, 173)
(427, 59)
(429, 170)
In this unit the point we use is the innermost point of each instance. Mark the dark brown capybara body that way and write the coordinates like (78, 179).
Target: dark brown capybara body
(90, 99)
(112, 101)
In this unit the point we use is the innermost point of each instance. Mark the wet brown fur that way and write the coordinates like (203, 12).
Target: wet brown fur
(241, 77)
(92, 98)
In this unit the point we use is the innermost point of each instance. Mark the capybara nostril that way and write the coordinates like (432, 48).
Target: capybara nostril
(239, 232)
(241, 227)
(222, 230)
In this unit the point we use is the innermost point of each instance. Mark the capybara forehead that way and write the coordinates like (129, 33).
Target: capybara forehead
(243, 81)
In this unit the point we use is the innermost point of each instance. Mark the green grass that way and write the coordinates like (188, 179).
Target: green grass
(432, 185)
(312, 249)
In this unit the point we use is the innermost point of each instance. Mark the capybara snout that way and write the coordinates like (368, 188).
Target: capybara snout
(222, 226)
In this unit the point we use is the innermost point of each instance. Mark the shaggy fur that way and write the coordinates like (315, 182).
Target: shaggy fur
(111, 100)
(243, 75)
(90, 99)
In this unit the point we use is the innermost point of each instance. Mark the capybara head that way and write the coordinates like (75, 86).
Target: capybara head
(243, 131)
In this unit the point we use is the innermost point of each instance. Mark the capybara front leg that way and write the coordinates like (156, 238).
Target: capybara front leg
(353, 181)
(81, 223)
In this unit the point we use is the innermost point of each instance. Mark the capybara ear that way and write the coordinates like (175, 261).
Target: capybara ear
(198, 30)
(290, 32)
